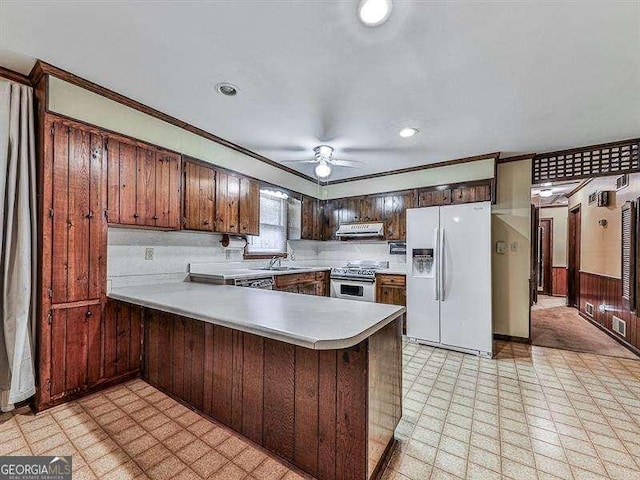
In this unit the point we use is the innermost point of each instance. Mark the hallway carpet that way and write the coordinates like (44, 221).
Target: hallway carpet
(563, 328)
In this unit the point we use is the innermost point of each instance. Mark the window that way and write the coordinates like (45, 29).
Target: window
(273, 225)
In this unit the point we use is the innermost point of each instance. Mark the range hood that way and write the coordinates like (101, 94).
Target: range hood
(360, 230)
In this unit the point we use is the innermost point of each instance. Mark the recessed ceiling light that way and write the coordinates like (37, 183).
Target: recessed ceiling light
(323, 169)
(408, 132)
(546, 192)
(228, 89)
(374, 12)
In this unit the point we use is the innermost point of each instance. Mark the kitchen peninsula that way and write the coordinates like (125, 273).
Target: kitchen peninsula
(315, 380)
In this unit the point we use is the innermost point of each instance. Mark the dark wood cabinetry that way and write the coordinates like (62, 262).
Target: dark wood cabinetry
(468, 193)
(73, 334)
(312, 283)
(249, 206)
(144, 185)
(199, 196)
(312, 220)
(392, 289)
(227, 202)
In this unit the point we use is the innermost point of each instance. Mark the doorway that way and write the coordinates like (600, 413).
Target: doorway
(545, 256)
(573, 257)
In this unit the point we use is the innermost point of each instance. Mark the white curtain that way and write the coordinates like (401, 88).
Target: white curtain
(19, 244)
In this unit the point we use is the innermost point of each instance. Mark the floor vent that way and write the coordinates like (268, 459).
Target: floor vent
(619, 326)
(588, 308)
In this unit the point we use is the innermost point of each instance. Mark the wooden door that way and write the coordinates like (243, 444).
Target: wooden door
(75, 349)
(545, 256)
(226, 204)
(573, 258)
(78, 226)
(168, 190)
(145, 187)
(199, 196)
(534, 255)
(249, 206)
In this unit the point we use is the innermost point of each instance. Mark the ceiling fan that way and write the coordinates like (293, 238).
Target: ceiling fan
(324, 161)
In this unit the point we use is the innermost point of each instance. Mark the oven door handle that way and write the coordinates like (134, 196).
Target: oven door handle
(353, 280)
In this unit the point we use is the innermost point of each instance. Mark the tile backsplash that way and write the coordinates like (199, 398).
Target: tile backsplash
(174, 251)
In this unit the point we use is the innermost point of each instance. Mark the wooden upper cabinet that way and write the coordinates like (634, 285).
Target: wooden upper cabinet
(199, 196)
(312, 221)
(168, 190)
(249, 207)
(144, 185)
(75, 231)
(227, 202)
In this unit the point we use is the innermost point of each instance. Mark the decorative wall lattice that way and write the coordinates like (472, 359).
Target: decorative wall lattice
(597, 160)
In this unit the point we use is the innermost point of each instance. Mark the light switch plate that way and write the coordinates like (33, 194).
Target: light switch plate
(501, 248)
(514, 246)
(148, 253)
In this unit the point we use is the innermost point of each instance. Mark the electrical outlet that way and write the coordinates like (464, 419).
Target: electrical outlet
(148, 253)
(227, 254)
(501, 248)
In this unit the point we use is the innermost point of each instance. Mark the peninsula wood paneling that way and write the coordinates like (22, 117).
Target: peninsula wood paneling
(602, 290)
(308, 406)
(559, 282)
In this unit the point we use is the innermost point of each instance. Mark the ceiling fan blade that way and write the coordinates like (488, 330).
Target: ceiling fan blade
(300, 161)
(346, 163)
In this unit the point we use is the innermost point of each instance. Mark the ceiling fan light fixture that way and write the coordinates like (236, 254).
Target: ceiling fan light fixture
(373, 13)
(408, 132)
(323, 169)
(323, 151)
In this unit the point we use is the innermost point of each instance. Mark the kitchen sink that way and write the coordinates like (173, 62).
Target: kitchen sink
(282, 269)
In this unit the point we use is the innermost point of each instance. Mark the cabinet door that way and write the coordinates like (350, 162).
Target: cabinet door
(199, 197)
(395, 206)
(122, 339)
(168, 190)
(227, 195)
(308, 288)
(249, 208)
(311, 219)
(78, 226)
(123, 171)
(75, 348)
(146, 187)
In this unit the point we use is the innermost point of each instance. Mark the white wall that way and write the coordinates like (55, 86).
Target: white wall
(511, 223)
(460, 172)
(560, 216)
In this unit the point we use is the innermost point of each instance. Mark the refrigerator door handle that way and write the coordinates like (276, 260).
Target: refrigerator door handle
(436, 261)
(442, 266)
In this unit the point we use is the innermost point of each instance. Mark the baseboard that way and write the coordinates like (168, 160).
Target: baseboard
(510, 338)
(617, 338)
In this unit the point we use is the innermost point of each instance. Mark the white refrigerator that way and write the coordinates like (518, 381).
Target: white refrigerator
(449, 277)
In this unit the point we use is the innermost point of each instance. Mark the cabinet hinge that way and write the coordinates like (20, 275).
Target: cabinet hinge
(53, 130)
(51, 213)
(49, 385)
(106, 145)
(106, 214)
(49, 318)
(50, 292)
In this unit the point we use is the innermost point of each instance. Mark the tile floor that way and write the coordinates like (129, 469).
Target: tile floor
(530, 413)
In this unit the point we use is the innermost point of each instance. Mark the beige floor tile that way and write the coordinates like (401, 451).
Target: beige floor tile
(209, 463)
(168, 468)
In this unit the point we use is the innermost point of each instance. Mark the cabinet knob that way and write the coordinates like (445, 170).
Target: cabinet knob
(206, 222)
(136, 215)
(90, 215)
(155, 217)
(88, 314)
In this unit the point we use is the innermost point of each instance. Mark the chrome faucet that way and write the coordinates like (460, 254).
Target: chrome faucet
(275, 259)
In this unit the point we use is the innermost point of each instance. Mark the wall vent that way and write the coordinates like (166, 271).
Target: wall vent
(622, 181)
(593, 197)
(588, 309)
(619, 326)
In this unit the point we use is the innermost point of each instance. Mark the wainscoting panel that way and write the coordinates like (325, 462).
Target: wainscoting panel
(559, 281)
(600, 290)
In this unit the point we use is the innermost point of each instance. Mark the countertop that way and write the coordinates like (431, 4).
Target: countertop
(221, 276)
(319, 323)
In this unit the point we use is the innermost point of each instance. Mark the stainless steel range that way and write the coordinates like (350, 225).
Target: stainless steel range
(356, 280)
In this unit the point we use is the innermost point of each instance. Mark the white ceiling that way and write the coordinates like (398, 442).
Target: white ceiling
(559, 193)
(475, 77)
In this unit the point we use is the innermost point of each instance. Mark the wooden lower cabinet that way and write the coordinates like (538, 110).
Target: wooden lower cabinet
(392, 289)
(92, 345)
(331, 413)
(312, 283)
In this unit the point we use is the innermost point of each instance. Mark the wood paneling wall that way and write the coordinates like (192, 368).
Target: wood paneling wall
(307, 406)
(559, 281)
(602, 290)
